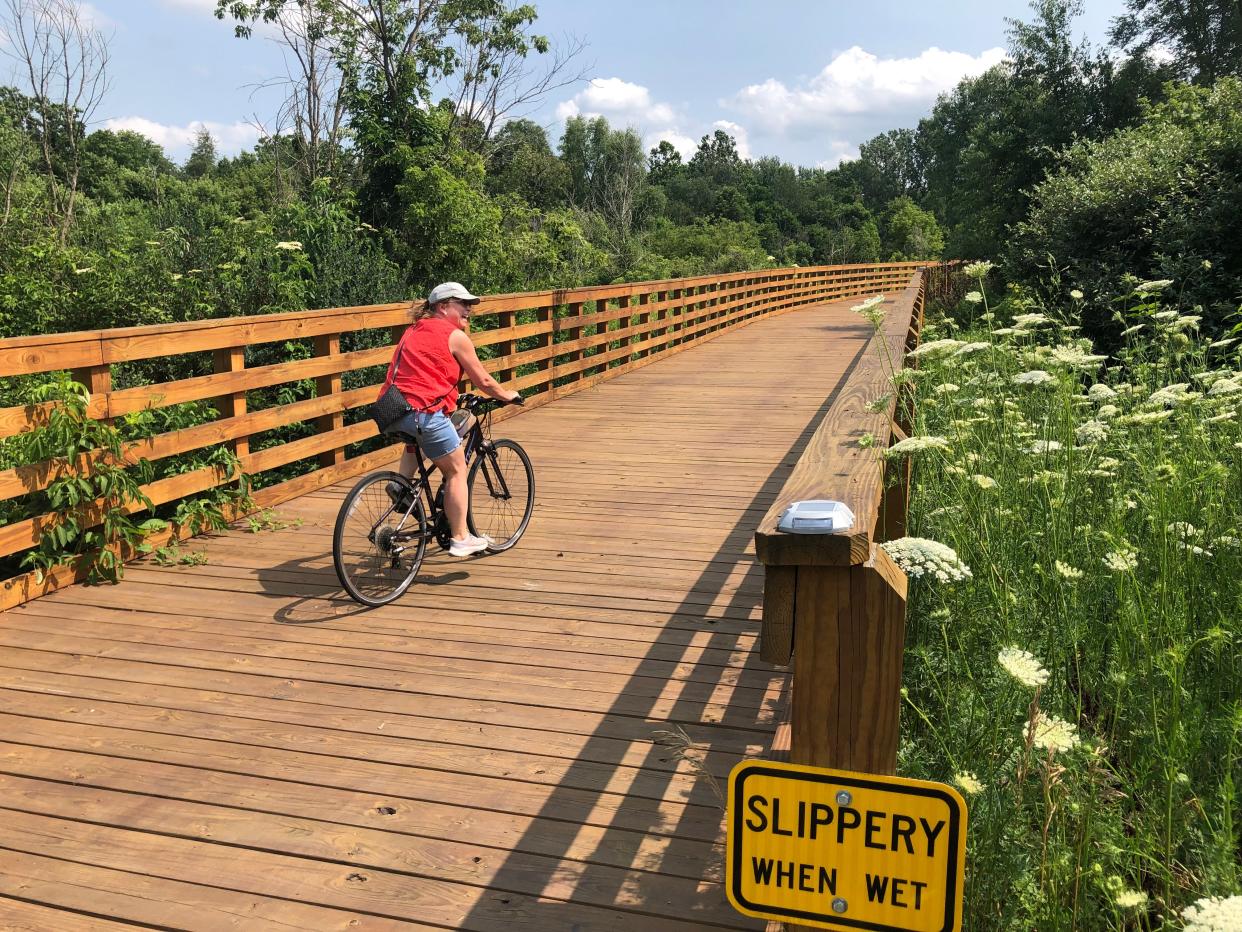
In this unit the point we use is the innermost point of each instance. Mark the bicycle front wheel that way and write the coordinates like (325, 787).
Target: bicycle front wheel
(378, 545)
(502, 494)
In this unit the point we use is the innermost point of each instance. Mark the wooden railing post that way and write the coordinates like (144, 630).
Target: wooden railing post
(98, 381)
(329, 345)
(233, 359)
(504, 321)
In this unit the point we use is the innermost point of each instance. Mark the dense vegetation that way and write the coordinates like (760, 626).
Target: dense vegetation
(1073, 651)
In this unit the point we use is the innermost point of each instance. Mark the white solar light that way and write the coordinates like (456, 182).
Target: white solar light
(816, 517)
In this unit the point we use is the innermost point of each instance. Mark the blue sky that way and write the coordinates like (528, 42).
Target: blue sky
(805, 81)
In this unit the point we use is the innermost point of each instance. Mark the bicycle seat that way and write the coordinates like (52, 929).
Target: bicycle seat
(402, 436)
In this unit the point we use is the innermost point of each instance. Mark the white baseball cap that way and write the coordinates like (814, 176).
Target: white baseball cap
(451, 290)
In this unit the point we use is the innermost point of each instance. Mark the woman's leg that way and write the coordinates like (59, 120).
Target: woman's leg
(409, 462)
(456, 497)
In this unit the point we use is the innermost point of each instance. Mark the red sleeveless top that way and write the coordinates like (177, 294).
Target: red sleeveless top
(427, 372)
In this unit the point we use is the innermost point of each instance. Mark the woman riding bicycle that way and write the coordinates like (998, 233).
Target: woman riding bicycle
(431, 357)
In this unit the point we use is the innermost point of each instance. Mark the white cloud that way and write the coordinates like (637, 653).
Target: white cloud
(685, 145)
(854, 84)
(199, 6)
(620, 101)
(177, 141)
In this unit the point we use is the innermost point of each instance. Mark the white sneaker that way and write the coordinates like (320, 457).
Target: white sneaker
(467, 547)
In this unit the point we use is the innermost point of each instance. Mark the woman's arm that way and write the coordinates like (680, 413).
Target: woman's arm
(463, 351)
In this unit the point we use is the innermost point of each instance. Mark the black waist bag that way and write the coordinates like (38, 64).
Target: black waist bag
(391, 406)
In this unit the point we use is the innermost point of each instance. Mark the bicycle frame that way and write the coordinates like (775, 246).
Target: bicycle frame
(474, 444)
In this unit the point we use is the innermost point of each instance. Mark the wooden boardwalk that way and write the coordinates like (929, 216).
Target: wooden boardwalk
(235, 745)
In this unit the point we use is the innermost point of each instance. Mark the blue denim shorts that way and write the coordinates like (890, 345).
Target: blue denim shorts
(435, 432)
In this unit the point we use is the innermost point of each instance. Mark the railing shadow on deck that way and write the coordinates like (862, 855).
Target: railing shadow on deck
(566, 800)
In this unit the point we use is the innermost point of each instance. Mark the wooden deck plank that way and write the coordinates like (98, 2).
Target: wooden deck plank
(239, 743)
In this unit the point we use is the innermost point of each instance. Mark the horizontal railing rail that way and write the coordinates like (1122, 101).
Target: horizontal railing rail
(546, 344)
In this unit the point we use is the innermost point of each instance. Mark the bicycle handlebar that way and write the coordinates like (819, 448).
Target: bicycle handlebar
(475, 403)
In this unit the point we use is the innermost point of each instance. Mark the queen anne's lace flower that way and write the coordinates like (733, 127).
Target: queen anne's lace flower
(1091, 432)
(1101, 392)
(935, 347)
(1027, 321)
(1069, 572)
(913, 445)
(919, 556)
(289, 245)
(1155, 285)
(968, 348)
(871, 310)
(1130, 899)
(1108, 411)
(1214, 914)
(969, 783)
(1023, 666)
(1054, 734)
(984, 482)
(1044, 446)
(1172, 395)
(1034, 377)
(977, 269)
(1121, 561)
(1074, 357)
(973, 297)
(1230, 386)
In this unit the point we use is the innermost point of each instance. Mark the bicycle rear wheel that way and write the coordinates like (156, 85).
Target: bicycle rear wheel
(502, 494)
(377, 547)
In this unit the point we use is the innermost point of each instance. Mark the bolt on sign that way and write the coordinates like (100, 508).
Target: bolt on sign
(843, 850)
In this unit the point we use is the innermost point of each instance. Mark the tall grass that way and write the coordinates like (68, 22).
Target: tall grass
(1083, 684)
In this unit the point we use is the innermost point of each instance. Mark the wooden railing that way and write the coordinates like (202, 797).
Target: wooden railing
(835, 603)
(546, 344)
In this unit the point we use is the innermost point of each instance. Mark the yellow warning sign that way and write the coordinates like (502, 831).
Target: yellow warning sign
(845, 850)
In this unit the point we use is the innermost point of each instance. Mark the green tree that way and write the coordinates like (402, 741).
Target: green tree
(1204, 36)
(910, 232)
(201, 162)
(1159, 200)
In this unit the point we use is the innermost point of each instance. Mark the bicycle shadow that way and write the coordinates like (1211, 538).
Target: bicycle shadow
(311, 593)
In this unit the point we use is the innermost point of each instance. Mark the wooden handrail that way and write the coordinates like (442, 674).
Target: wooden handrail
(834, 604)
(574, 349)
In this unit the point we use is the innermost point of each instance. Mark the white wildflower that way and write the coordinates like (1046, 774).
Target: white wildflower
(1155, 285)
(1067, 571)
(1221, 344)
(1226, 386)
(1147, 417)
(1172, 395)
(984, 482)
(1074, 357)
(934, 347)
(1122, 560)
(913, 445)
(871, 310)
(919, 556)
(1130, 899)
(1054, 734)
(978, 269)
(1193, 549)
(973, 297)
(1027, 321)
(1023, 666)
(1228, 540)
(967, 782)
(1044, 446)
(1101, 392)
(969, 348)
(1107, 411)
(1221, 418)
(1034, 377)
(1165, 316)
(83, 271)
(1108, 462)
(1186, 322)
(1130, 331)
(1184, 529)
(290, 245)
(1214, 914)
(1076, 294)
(1089, 432)
(1003, 332)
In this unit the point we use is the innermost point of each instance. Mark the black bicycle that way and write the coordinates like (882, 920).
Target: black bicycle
(387, 520)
